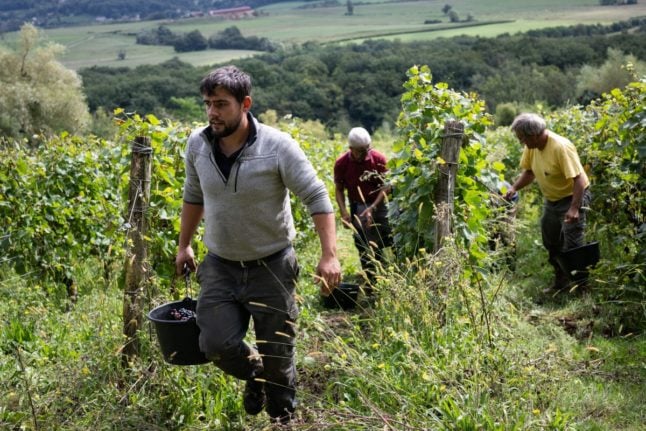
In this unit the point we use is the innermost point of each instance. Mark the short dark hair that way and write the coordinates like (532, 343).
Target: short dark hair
(237, 82)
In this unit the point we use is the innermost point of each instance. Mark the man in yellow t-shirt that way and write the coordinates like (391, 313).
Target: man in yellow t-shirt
(553, 162)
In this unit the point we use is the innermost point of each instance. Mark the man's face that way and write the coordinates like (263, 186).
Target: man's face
(359, 154)
(530, 141)
(224, 112)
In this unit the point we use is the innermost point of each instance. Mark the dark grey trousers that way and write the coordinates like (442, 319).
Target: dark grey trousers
(557, 235)
(231, 295)
(370, 241)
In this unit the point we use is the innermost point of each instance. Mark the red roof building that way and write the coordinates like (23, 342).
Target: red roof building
(232, 13)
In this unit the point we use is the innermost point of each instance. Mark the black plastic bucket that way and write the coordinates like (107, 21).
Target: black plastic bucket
(576, 261)
(178, 339)
(344, 297)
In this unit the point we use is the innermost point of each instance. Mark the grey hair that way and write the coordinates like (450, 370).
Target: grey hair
(359, 138)
(528, 124)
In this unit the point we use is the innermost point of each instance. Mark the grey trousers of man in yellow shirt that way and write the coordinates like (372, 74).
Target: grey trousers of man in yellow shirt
(559, 236)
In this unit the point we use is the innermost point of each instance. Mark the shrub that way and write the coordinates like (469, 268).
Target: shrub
(414, 168)
(59, 203)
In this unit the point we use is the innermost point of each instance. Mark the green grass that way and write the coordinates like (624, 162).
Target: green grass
(489, 30)
(288, 24)
(417, 357)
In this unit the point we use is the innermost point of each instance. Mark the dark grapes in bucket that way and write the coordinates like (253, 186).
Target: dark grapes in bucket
(181, 314)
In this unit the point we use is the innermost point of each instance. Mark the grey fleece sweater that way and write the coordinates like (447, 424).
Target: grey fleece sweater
(249, 215)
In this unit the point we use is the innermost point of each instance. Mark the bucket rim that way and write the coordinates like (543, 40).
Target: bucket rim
(591, 244)
(152, 318)
(348, 286)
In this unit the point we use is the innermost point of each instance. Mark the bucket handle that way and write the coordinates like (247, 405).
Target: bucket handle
(187, 281)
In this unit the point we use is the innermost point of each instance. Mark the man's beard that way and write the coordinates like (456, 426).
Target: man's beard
(229, 128)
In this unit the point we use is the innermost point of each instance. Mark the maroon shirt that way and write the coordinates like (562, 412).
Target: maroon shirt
(352, 175)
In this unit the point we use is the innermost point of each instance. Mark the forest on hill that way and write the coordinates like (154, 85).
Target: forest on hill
(55, 13)
(361, 83)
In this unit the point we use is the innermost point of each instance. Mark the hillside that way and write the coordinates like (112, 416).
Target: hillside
(446, 343)
(340, 83)
(55, 13)
(113, 43)
(361, 84)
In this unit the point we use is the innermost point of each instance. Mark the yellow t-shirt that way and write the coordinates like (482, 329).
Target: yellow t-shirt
(554, 167)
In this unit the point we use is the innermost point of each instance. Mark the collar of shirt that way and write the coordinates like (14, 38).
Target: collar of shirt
(226, 163)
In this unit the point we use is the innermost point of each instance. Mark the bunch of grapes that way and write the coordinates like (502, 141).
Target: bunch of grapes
(182, 314)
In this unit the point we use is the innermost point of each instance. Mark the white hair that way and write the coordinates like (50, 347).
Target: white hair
(529, 124)
(359, 138)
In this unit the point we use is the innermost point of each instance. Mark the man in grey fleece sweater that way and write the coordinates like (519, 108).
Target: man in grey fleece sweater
(238, 176)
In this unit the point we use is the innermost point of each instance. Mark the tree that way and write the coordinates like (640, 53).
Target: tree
(616, 72)
(191, 41)
(39, 95)
(505, 114)
(232, 38)
(350, 6)
(516, 82)
(162, 35)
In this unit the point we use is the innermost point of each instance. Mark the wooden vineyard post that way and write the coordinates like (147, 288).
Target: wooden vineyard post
(450, 152)
(136, 248)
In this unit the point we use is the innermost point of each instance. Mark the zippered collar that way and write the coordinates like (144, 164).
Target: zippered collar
(212, 141)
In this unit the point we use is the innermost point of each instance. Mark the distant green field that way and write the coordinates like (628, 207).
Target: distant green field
(292, 23)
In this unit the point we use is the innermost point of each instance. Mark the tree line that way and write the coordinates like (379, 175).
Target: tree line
(616, 2)
(362, 83)
(590, 29)
(229, 38)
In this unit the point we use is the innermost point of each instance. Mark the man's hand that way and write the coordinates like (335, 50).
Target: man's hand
(345, 221)
(367, 216)
(509, 195)
(578, 189)
(328, 274)
(328, 271)
(185, 256)
(572, 215)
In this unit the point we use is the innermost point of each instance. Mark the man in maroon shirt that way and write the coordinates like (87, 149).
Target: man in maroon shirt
(360, 171)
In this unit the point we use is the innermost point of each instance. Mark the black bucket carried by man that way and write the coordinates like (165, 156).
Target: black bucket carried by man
(177, 331)
(344, 296)
(576, 262)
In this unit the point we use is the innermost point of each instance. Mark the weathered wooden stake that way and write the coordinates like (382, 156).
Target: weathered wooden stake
(451, 143)
(136, 248)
